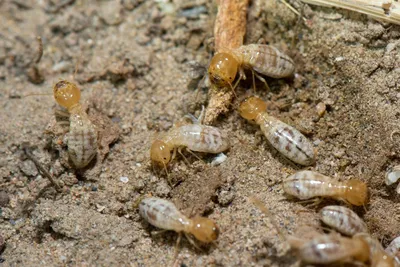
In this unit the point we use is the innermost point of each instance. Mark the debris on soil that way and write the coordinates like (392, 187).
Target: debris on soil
(229, 32)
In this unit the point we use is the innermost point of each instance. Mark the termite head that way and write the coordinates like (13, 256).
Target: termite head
(204, 229)
(363, 247)
(356, 192)
(222, 70)
(252, 107)
(66, 94)
(160, 153)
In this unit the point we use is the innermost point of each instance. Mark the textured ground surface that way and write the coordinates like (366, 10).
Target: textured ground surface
(136, 63)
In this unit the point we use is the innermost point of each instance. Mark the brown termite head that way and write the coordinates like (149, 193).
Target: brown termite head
(160, 153)
(359, 242)
(252, 107)
(356, 192)
(222, 70)
(66, 94)
(204, 229)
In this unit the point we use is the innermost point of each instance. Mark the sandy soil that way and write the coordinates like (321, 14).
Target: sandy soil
(139, 62)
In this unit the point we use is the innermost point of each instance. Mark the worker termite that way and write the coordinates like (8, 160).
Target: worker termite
(286, 139)
(264, 59)
(193, 137)
(322, 248)
(394, 248)
(343, 220)
(309, 184)
(163, 214)
(82, 135)
(332, 248)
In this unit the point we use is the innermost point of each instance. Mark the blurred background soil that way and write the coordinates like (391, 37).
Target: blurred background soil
(139, 63)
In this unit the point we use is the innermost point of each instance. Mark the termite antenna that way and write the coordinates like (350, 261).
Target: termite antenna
(267, 212)
(37, 94)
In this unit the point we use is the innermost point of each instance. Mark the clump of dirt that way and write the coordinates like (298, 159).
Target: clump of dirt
(138, 65)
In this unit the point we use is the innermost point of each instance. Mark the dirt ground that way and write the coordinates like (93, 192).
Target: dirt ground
(138, 67)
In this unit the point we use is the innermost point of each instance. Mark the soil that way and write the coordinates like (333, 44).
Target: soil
(138, 65)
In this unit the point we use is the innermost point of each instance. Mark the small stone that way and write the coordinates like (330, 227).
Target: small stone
(321, 108)
(225, 197)
(4, 199)
(124, 179)
(162, 189)
(28, 168)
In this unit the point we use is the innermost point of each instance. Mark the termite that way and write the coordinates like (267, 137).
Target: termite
(163, 214)
(332, 248)
(394, 248)
(193, 137)
(286, 139)
(343, 220)
(264, 59)
(82, 135)
(378, 256)
(322, 248)
(310, 184)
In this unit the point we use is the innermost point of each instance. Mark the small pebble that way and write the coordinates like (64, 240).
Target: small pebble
(4, 199)
(124, 179)
(28, 168)
(220, 158)
(321, 108)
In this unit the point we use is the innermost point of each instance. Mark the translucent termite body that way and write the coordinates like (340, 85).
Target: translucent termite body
(82, 135)
(163, 214)
(394, 248)
(342, 219)
(264, 59)
(194, 137)
(284, 138)
(378, 256)
(333, 248)
(309, 184)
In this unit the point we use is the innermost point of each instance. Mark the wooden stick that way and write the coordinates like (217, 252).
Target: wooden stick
(230, 24)
(229, 32)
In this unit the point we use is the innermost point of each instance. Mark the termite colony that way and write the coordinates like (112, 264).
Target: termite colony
(354, 245)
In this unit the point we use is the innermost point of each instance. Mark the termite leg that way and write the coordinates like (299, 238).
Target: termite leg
(178, 241)
(191, 241)
(194, 154)
(195, 120)
(261, 79)
(254, 81)
(183, 156)
(311, 203)
(173, 154)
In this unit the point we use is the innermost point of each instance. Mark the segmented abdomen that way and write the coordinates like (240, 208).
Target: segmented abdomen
(309, 184)
(343, 220)
(328, 249)
(287, 140)
(82, 140)
(201, 138)
(162, 214)
(267, 60)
